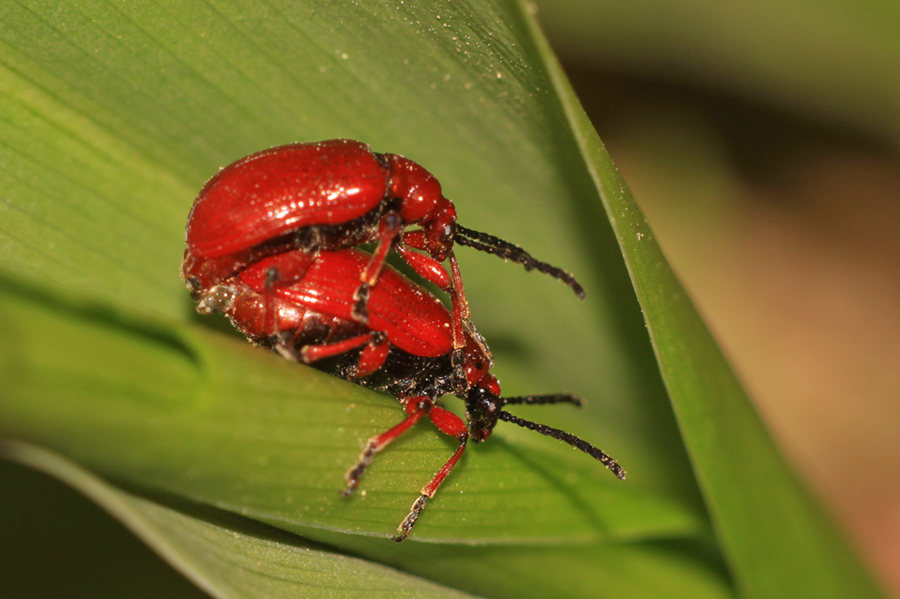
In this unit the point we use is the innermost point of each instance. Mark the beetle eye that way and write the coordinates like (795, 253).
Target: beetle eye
(488, 406)
(448, 234)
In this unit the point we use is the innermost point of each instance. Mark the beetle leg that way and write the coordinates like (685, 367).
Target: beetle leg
(415, 407)
(425, 266)
(312, 353)
(371, 359)
(432, 270)
(289, 267)
(270, 315)
(458, 290)
(373, 356)
(460, 318)
(285, 270)
(388, 230)
(451, 424)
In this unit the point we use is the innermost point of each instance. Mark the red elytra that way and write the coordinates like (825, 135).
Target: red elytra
(300, 304)
(323, 283)
(286, 188)
(282, 190)
(330, 195)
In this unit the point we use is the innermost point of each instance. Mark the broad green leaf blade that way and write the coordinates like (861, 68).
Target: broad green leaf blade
(244, 430)
(231, 557)
(651, 569)
(777, 539)
(209, 444)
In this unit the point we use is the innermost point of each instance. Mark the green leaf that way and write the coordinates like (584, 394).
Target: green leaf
(221, 423)
(113, 115)
(230, 556)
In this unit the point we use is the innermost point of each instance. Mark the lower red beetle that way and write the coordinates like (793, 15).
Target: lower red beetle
(404, 349)
(330, 195)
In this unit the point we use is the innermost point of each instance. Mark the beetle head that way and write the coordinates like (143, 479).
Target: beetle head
(483, 405)
(423, 202)
(440, 229)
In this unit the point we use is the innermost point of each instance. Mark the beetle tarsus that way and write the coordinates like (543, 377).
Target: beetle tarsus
(355, 473)
(360, 311)
(410, 519)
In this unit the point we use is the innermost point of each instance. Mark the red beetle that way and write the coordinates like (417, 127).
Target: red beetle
(330, 195)
(404, 349)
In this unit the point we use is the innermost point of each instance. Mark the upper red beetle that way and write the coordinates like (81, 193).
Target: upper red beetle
(329, 195)
(404, 349)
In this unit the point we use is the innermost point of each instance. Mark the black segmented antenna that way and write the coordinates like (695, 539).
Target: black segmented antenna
(535, 400)
(485, 242)
(569, 438)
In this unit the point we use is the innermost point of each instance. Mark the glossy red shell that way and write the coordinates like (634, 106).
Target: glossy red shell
(413, 319)
(282, 189)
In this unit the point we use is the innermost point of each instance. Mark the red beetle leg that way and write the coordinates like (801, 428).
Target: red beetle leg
(451, 424)
(426, 266)
(291, 266)
(372, 356)
(282, 271)
(461, 313)
(311, 353)
(458, 290)
(270, 314)
(415, 407)
(370, 360)
(432, 270)
(388, 230)
(414, 239)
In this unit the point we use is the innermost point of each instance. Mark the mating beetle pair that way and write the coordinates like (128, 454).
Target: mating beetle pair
(270, 244)
(330, 195)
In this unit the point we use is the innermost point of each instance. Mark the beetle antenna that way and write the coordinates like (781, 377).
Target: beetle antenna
(569, 438)
(487, 243)
(534, 400)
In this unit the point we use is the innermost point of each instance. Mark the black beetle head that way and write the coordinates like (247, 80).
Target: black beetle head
(483, 406)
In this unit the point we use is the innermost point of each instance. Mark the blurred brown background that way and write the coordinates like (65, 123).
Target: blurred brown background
(762, 143)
